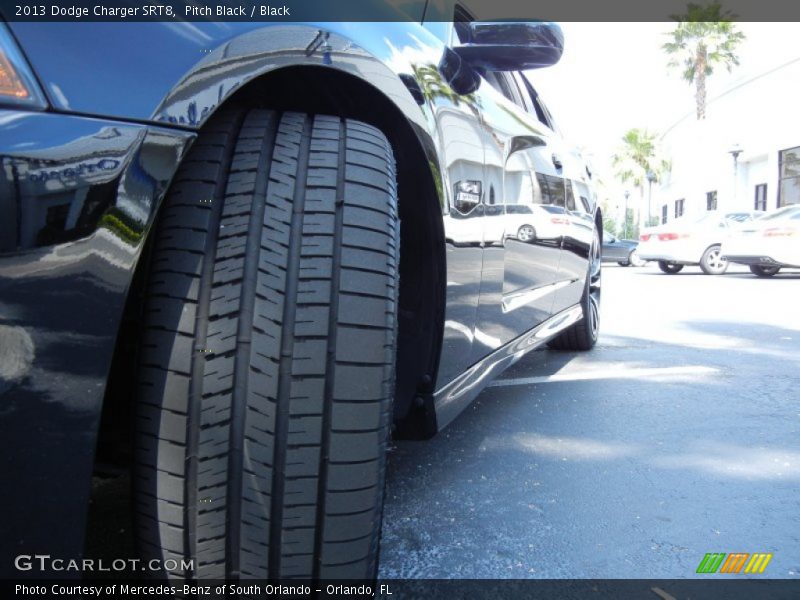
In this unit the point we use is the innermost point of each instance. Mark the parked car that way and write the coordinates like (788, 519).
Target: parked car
(621, 251)
(768, 244)
(204, 279)
(692, 241)
(532, 222)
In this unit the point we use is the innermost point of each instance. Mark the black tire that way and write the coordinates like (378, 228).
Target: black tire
(267, 367)
(582, 336)
(712, 262)
(762, 271)
(669, 268)
(624, 263)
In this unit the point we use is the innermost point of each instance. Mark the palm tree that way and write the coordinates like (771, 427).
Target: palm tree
(703, 38)
(639, 160)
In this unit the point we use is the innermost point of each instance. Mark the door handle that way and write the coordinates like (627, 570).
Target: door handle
(557, 161)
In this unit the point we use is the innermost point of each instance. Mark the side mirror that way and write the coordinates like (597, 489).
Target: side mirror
(510, 46)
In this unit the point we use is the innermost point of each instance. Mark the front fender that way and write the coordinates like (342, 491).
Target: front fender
(181, 72)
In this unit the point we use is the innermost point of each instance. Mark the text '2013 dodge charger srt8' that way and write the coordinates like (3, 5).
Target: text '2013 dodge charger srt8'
(235, 257)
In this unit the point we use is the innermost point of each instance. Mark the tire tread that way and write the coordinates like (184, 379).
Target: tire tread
(267, 370)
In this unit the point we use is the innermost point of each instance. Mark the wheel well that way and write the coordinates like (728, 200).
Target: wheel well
(422, 260)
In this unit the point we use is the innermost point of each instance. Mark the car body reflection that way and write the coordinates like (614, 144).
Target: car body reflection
(535, 223)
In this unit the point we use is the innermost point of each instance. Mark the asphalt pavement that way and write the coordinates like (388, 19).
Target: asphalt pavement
(678, 435)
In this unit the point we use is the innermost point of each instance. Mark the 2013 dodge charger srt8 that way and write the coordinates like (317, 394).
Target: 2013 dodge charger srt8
(236, 257)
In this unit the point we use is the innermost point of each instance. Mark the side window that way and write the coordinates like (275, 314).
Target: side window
(570, 195)
(506, 85)
(536, 106)
(550, 191)
(761, 196)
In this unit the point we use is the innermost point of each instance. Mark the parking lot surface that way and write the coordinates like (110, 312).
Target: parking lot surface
(678, 435)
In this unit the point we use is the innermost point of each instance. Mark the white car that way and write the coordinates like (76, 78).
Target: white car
(768, 244)
(692, 241)
(534, 222)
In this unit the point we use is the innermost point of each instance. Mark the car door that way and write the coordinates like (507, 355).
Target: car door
(612, 248)
(525, 216)
(577, 241)
(460, 146)
(578, 230)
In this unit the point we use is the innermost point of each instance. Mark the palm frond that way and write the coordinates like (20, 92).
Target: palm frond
(704, 37)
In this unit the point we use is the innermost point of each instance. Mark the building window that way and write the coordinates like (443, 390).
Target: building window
(789, 181)
(678, 208)
(761, 197)
(663, 214)
(711, 200)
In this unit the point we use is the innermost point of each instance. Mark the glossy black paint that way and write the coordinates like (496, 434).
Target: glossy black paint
(77, 197)
(80, 187)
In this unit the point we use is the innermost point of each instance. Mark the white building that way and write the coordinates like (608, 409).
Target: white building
(744, 156)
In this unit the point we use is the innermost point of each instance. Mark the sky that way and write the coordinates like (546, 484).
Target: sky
(614, 76)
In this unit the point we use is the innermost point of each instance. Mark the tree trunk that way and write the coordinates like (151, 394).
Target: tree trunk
(640, 216)
(701, 61)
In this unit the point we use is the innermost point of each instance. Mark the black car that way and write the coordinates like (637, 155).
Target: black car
(235, 256)
(620, 251)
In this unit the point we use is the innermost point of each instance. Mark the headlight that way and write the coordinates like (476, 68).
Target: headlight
(18, 86)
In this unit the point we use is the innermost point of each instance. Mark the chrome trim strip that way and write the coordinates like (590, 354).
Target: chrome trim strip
(515, 300)
(450, 400)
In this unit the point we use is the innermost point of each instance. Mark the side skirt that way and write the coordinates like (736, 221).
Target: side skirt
(450, 400)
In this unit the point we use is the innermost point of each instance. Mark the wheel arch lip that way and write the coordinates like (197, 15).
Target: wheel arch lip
(233, 63)
(383, 56)
(193, 69)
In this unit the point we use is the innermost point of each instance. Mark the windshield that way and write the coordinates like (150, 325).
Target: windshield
(787, 212)
(738, 217)
(708, 218)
